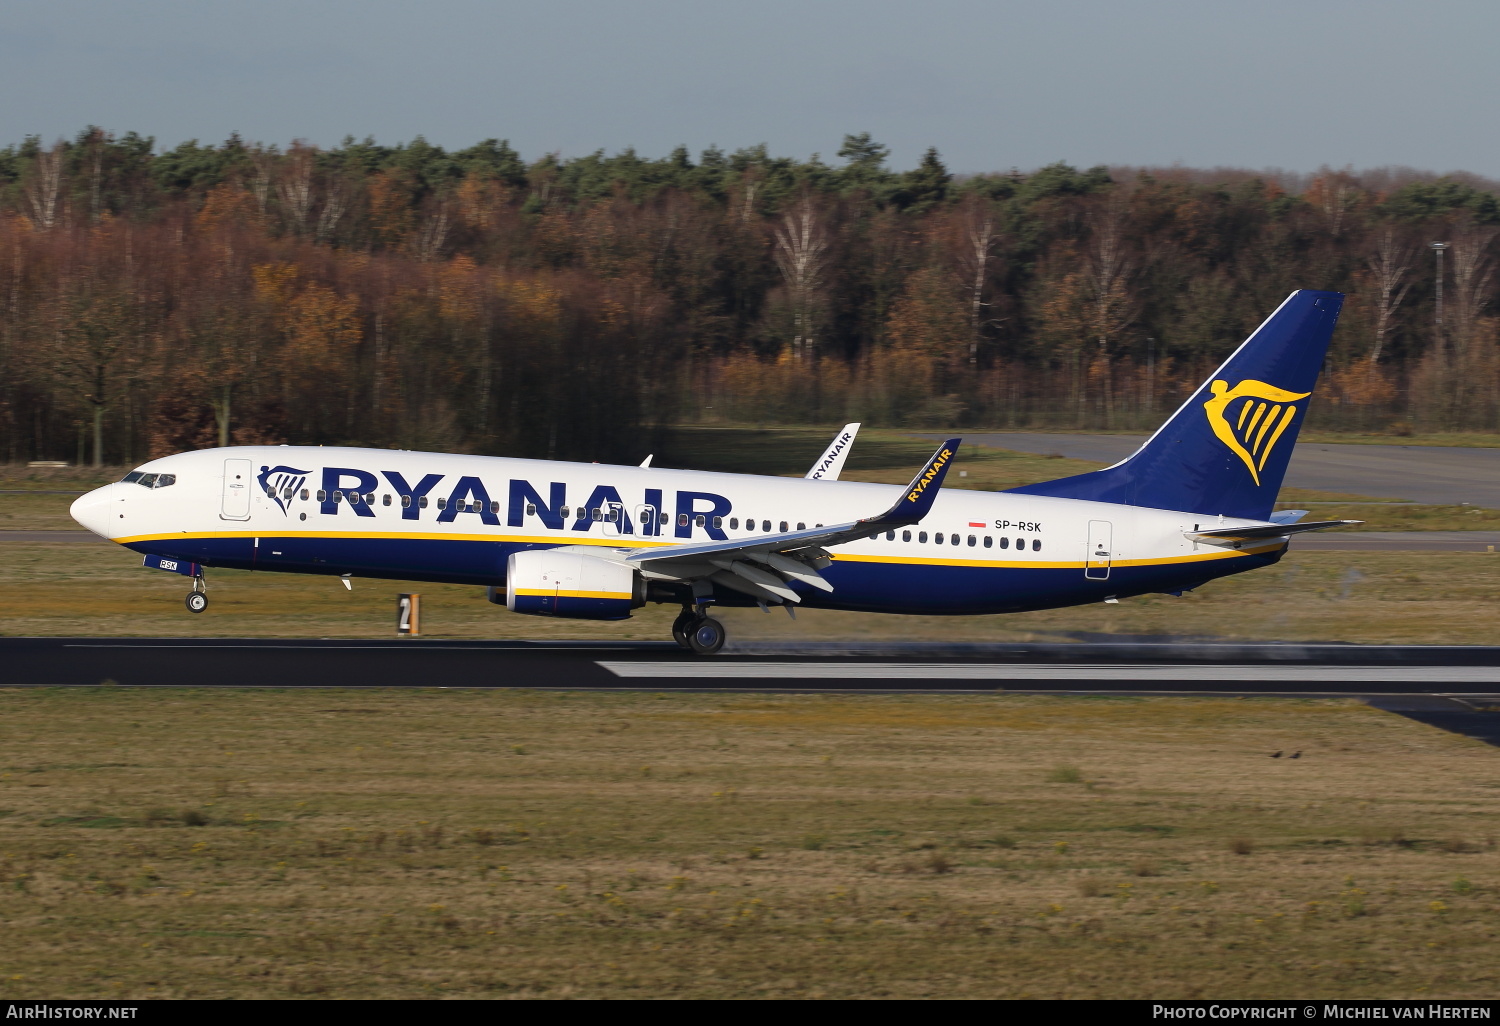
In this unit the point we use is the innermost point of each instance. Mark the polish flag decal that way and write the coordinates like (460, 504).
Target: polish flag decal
(973, 524)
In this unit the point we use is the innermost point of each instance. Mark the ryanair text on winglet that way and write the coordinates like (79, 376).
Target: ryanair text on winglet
(932, 470)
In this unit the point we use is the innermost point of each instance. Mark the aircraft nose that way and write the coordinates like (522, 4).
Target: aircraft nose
(96, 509)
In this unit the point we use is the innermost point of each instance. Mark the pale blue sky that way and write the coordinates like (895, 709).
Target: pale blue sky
(993, 84)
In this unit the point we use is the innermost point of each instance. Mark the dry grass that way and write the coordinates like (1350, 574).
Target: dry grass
(395, 844)
(1413, 598)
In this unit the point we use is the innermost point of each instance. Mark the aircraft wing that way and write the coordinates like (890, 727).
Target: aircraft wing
(763, 566)
(1233, 535)
(828, 466)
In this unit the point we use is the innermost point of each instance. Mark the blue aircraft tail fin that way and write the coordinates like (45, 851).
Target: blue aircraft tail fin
(1225, 450)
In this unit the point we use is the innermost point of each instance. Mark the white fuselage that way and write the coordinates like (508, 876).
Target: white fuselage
(441, 517)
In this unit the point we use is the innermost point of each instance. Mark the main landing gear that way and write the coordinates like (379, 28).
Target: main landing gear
(697, 632)
(197, 599)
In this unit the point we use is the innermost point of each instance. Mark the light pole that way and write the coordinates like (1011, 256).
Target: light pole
(1437, 249)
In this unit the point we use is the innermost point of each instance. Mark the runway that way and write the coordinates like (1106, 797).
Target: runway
(1456, 688)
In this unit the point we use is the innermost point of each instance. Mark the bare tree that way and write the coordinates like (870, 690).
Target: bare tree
(980, 238)
(44, 185)
(1388, 265)
(1109, 271)
(335, 204)
(800, 248)
(295, 189)
(433, 235)
(1472, 269)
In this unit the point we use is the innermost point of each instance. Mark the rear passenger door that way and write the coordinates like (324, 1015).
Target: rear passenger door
(1096, 560)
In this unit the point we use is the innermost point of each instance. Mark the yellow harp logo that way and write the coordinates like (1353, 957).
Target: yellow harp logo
(1250, 417)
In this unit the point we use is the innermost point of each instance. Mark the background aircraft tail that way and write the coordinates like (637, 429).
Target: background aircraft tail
(1225, 450)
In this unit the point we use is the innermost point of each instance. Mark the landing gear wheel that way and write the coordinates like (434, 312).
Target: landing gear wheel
(706, 636)
(196, 602)
(681, 626)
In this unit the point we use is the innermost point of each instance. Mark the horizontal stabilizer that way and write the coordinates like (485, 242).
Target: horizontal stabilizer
(1230, 535)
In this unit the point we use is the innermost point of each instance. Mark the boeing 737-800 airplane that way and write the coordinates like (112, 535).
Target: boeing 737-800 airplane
(588, 541)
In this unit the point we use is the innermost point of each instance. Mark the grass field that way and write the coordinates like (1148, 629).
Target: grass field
(1414, 598)
(451, 843)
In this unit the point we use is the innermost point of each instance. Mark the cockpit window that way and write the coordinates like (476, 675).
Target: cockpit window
(149, 480)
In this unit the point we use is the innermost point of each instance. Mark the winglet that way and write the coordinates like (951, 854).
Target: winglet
(831, 463)
(919, 496)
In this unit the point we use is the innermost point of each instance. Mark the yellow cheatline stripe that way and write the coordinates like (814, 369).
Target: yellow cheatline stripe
(1040, 564)
(615, 543)
(1028, 564)
(543, 593)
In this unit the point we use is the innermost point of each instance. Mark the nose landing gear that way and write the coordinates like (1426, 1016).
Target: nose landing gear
(197, 599)
(697, 632)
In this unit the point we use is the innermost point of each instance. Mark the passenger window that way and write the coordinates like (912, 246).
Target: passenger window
(718, 523)
(1036, 545)
(937, 539)
(666, 518)
(953, 539)
(734, 523)
(906, 536)
(494, 505)
(304, 495)
(783, 527)
(801, 526)
(406, 502)
(1005, 543)
(338, 496)
(442, 503)
(385, 500)
(322, 495)
(596, 513)
(971, 541)
(286, 493)
(765, 525)
(922, 537)
(890, 536)
(614, 514)
(682, 520)
(422, 503)
(168, 480)
(1021, 544)
(699, 520)
(369, 498)
(988, 541)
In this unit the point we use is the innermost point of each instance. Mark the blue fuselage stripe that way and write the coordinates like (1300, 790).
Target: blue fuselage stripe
(887, 587)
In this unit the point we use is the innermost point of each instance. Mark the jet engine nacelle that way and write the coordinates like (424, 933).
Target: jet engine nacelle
(553, 582)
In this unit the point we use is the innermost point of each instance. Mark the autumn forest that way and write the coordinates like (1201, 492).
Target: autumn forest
(475, 300)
